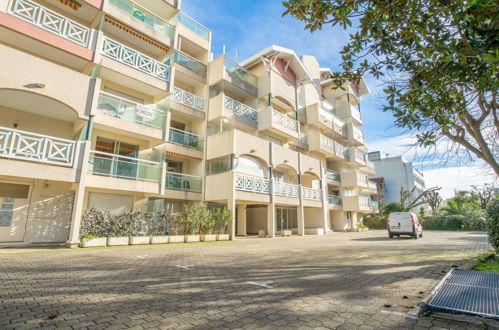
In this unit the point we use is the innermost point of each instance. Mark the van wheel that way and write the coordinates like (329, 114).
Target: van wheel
(390, 235)
(415, 235)
(421, 235)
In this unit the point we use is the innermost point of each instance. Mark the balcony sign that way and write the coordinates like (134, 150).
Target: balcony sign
(138, 14)
(144, 112)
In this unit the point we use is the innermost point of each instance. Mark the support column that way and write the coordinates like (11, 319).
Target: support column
(300, 217)
(325, 200)
(241, 220)
(271, 220)
(231, 205)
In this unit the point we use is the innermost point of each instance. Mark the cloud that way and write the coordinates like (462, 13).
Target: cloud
(457, 178)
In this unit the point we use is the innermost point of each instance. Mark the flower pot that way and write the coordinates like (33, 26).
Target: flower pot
(140, 240)
(176, 239)
(208, 238)
(285, 233)
(191, 238)
(115, 241)
(223, 237)
(95, 241)
(159, 239)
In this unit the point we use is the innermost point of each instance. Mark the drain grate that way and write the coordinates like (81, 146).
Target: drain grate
(467, 292)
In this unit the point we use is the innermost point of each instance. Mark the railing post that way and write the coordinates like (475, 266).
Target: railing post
(162, 185)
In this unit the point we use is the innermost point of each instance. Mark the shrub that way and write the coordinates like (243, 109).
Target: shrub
(223, 217)
(195, 218)
(393, 207)
(375, 221)
(470, 219)
(493, 223)
(95, 223)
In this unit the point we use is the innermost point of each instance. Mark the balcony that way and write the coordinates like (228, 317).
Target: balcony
(333, 177)
(240, 110)
(374, 206)
(335, 203)
(126, 66)
(141, 15)
(354, 179)
(278, 123)
(320, 143)
(117, 166)
(286, 189)
(311, 194)
(186, 139)
(354, 135)
(184, 182)
(318, 116)
(50, 21)
(131, 111)
(356, 203)
(370, 169)
(188, 99)
(372, 187)
(240, 81)
(188, 65)
(27, 146)
(356, 156)
(252, 184)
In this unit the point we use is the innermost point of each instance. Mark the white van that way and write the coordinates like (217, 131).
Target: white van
(404, 223)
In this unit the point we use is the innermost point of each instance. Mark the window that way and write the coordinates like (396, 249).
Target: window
(249, 165)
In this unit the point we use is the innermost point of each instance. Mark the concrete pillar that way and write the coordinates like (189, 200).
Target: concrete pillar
(231, 205)
(300, 217)
(271, 220)
(241, 220)
(325, 200)
(4, 4)
(74, 230)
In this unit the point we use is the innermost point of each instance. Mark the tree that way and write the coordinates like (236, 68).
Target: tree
(409, 199)
(444, 57)
(434, 200)
(482, 195)
(380, 193)
(493, 222)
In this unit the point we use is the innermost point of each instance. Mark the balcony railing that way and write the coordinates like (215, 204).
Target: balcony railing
(372, 185)
(335, 200)
(303, 138)
(369, 164)
(328, 106)
(286, 189)
(240, 109)
(192, 25)
(364, 201)
(284, 120)
(332, 175)
(131, 111)
(355, 113)
(360, 156)
(327, 143)
(185, 182)
(51, 21)
(141, 14)
(188, 62)
(311, 194)
(361, 178)
(135, 59)
(186, 139)
(341, 150)
(34, 147)
(188, 99)
(241, 74)
(374, 205)
(103, 163)
(253, 184)
(357, 134)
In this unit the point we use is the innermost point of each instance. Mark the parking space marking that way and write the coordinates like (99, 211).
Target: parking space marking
(184, 267)
(263, 284)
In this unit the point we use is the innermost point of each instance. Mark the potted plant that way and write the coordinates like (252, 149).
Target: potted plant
(224, 218)
(158, 228)
(195, 215)
(175, 223)
(139, 228)
(120, 229)
(94, 227)
(93, 241)
(207, 228)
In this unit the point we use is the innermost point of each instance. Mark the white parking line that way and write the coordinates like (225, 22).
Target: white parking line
(184, 267)
(263, 284)
(394, 313)
(142, 257)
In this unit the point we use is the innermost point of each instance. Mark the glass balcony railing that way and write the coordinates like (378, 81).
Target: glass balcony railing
(186, 139)
(188, 62)
(113, 165)
(243, 75)
(335, 200)
(374, 205)
(185, 182)
(192, 25)
(332, 175)
(131, 111)
(372, 185)
(188, 99)
(17, 144)
(240, 109)
(143, 15)
(51, 21)
(135, 59)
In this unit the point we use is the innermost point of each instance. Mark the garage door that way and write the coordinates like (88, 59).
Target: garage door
(115, 203)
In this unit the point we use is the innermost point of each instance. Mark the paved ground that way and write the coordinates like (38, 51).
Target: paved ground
(345, 280)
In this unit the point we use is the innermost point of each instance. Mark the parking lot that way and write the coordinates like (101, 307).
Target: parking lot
(340, 280)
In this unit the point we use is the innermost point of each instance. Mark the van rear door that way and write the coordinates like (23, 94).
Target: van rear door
(401, 222)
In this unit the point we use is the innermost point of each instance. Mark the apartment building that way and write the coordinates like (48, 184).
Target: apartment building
(102, 105)
(114, 104)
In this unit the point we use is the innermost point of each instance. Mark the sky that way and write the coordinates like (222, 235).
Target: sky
(245, 27)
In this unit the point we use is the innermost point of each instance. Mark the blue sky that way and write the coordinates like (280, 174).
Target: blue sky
(246, 27)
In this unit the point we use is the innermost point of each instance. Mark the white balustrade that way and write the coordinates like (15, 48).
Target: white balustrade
(240, 109)
(340, 150)
(135, 59)
(284, 120)
(286, 189)
(36, 147)
(357, 134)
(188, 99)
(311, 194)
(327, 143)
(50, 21)
(252, 184)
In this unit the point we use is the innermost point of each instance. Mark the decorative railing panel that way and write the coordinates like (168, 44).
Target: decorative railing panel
(332, 175)
(36, 147)
(286, 189)
(103, 163)
(143, 15)
(312, 194)
(135, 59)
(185, 182)
(335, 200)
(284, 120)
(252, 184)
(327, 143)
(186, 139)
(51, 21)
(188, 99)
(131, 111)
(240, 109)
